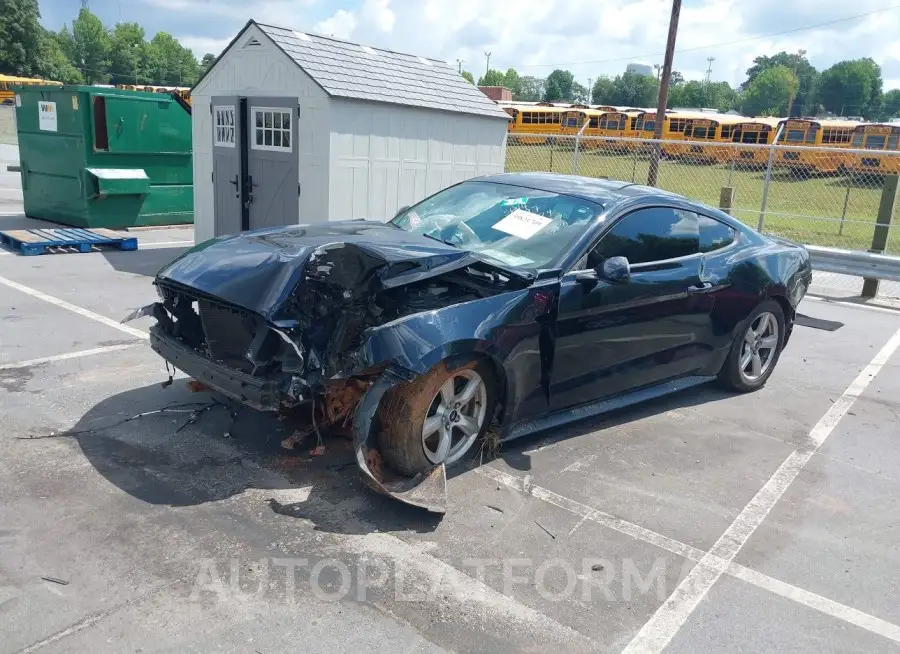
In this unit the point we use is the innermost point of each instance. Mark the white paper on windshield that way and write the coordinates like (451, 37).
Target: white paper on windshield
(522, 224)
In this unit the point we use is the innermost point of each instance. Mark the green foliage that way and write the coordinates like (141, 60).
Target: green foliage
(770, 92)
(531, 89)
(891, 105)
(466, 74)
(807, 77)
(635, 90)
(559, 86)
(852, 88)
(91, 53)
(491, 78)
(21, 35)
(604, 90)
(91, 47)
(54, 64)
(128, 55)
(209, 59)
(694, 94)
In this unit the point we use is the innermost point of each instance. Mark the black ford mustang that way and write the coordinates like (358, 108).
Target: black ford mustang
(512, 302)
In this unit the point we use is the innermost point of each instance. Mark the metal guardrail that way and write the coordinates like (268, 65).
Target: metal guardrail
(859, 264)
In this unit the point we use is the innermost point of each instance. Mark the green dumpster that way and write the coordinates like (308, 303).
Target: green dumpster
(104, 157)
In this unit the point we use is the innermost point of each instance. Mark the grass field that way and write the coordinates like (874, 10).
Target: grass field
(804, 210)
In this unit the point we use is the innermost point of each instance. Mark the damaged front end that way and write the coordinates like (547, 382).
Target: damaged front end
(283, 318)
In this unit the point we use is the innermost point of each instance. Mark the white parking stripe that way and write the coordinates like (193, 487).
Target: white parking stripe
(671, 616)
(68, 306)
(65, 357)
(805, 597)
(817, 602)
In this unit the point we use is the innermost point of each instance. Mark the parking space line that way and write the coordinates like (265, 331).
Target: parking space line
(656, 634)
(854, 305)
(65, 357)
(817, 602)
(616, 524)
(703, 559)
(68, 306)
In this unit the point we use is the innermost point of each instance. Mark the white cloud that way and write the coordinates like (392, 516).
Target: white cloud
(200, 45)
(340, 25)
(592, 38)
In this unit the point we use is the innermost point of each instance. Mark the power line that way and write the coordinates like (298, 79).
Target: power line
(716, 45)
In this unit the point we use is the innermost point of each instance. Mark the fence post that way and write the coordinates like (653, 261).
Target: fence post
(726, 199)
(577, 141)
(765, 194)
(882, 228)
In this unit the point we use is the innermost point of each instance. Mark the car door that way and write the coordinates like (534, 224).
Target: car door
(613, 337)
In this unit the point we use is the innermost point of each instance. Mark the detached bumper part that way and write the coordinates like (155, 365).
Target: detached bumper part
(247, 389)
(427, 490)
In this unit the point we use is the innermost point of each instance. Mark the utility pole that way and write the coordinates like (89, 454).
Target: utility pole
(800, 54)
(709, 68)
(590, 90)
(658, 71)
(656, 149)
(487, 66)
(459, 63)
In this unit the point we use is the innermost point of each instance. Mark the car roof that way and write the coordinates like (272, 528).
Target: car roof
(602, 191)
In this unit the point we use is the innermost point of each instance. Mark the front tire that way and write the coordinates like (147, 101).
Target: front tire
(436, 417)
(755, 350)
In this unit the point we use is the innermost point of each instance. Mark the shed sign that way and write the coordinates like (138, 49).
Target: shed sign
(47, 116)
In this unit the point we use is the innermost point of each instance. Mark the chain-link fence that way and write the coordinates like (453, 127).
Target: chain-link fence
(815, 196)
(811, 195)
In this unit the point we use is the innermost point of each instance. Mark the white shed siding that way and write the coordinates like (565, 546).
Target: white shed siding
(257, 70)
(386, 156)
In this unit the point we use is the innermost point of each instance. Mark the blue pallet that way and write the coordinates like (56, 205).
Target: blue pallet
(31, 242)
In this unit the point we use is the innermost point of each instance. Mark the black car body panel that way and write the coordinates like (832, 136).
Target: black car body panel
(276, 316)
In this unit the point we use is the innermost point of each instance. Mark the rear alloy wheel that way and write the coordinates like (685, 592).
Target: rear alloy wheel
(436, 418)
(756, 349)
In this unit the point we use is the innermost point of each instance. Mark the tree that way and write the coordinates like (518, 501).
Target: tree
(491, 78)
(635, 90)
(891, 105)
(20, 37)
(770, 92)
(468, 76)
(54, 64)
(559, 86)
(806, 75)
(531, 89)
(579, 93)
(512, 81)
(852, 88)
(91, 46)
(128, 54)
(676, 78)
(209, 59)
(604, 91)
(170, 63)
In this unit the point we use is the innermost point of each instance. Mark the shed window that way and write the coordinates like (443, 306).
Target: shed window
(272, 129)
(224, 126)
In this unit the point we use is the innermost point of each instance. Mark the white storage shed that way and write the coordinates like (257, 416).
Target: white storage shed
(295, 128)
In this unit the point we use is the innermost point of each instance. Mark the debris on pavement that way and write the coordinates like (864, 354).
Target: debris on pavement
(195, 386)
(56, 580)
(547, 531)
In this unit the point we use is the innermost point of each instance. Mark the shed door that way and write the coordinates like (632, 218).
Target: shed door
(227, 142)
(273, 162)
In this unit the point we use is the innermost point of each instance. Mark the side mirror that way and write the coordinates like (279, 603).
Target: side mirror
(616, 269)
(401, 210)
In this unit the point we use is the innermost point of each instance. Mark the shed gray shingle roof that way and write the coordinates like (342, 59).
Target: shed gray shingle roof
(349, 70)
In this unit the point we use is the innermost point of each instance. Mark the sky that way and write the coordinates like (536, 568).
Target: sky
(588, 37)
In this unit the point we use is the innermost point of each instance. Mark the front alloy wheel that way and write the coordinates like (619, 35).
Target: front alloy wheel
(436, 417)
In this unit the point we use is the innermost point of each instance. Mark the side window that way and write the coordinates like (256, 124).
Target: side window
(648, 235)
(714, 234)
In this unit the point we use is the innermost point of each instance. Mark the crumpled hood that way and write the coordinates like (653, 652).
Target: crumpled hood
(258, 270)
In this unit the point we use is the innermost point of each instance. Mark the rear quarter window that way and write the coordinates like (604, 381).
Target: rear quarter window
(714, 235)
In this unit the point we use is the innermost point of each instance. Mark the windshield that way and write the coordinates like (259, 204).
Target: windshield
(516, 226)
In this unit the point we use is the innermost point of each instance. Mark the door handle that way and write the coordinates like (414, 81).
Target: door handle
(703, 287)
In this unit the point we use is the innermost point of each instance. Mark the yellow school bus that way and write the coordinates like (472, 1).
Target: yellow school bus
(540, 120)
(9, 82)
(878, 137)
(801, 135)
(182, 92)
(751, 131)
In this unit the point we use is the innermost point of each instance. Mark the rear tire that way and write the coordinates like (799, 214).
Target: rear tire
(437, 417)
(755, 350)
